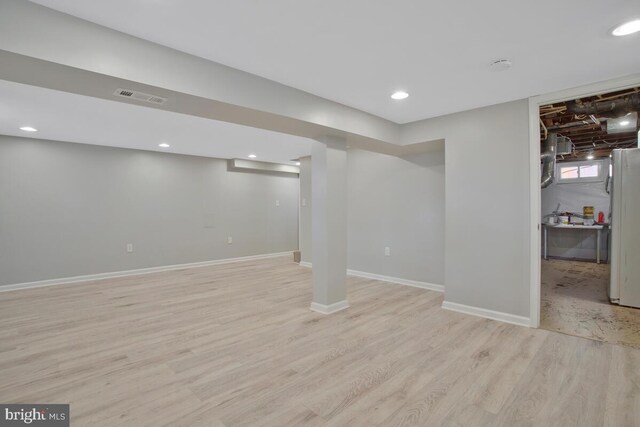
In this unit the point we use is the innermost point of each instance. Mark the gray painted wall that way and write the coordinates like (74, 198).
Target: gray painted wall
(392, 202)
(70, 209)
(305, 209)
(487, 241)
(397, 203)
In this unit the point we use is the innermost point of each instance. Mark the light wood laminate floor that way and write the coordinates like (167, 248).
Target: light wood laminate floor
(236, 344)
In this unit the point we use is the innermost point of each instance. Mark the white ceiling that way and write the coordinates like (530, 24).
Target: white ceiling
(359, 51)
(68, 117)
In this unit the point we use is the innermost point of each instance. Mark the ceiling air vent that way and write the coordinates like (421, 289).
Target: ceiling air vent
(139, 96)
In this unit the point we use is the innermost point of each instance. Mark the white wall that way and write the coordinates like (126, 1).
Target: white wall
(394, 202)
(70, 209)
(573, 197)
(487, 241)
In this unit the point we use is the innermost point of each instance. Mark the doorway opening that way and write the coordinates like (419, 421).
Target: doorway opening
(583, 141)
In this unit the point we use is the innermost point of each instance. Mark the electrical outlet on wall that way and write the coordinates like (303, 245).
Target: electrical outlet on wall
(387, 251)
(277, 202)
(304, 202)
(229, 240)
(129, 248)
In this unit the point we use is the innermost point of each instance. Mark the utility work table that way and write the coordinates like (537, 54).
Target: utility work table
(596, 227)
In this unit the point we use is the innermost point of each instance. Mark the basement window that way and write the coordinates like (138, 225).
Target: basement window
(589, 171)
(579, 172)
(569, 172)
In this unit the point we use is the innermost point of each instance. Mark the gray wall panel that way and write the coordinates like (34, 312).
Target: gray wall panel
(397, 203)
(70, 209)
(487, 241)
(394, 202)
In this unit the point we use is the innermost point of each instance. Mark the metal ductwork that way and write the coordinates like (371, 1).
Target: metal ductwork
(548, 157)
(614, 108)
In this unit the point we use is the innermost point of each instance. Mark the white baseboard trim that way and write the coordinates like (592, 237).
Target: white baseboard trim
(396, 280)
(489, 314)
(329, 309)
(99, 276)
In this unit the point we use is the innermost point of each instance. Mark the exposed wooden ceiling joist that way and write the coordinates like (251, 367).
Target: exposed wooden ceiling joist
(586, 134)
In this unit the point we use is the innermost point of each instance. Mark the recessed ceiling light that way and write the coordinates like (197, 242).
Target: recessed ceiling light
(501, 65)
(624, 122)
(28, 129)
(627, 28)
(252, 156)
(590, 157)
(297, 163)
(399, 95)
(164, 145)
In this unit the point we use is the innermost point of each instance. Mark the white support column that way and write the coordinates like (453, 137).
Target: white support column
(329, 225)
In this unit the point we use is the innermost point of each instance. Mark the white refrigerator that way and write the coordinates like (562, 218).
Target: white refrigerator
(624, 288)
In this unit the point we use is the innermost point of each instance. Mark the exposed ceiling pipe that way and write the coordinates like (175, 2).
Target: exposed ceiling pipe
(603, 145)
(614, 108)
(571, 125)
(548, 157)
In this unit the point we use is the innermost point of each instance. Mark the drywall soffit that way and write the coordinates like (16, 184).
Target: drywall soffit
(36, 72)
(243, 165)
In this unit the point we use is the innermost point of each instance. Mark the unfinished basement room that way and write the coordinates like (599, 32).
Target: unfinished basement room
(336, 213)
(589, 206)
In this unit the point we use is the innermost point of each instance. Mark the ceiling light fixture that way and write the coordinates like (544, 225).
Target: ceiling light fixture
(252, 156)
(624, 123)
(164, 145)
(28, 129)
(399, 95)
(590, 157)
(297, 163)
(501, 65)
(627, 28)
